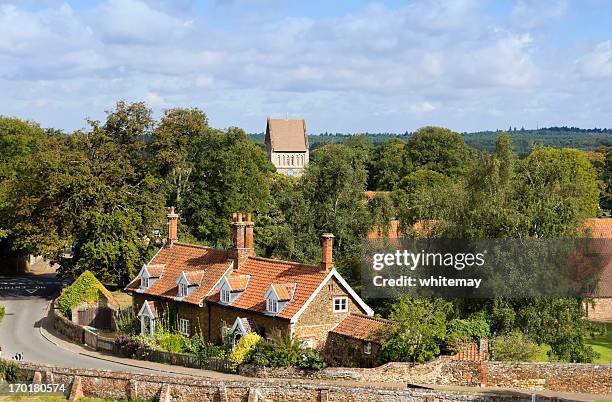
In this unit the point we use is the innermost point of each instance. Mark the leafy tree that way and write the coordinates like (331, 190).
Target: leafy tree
(33, 205)
(546, 195)
(230, 174)
(514, 346)
(556, 191)
(116, 200)
(382, 211)
(418, 331)
(437, 149)
(388, 166)
(424, 195)
(602, 163)
(171, 147)
(18, 141)
(327, 199)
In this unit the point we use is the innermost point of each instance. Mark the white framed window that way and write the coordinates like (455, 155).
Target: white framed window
(272, 305)
(184, 326)
(144, 283)
(225, 296)
(307, 343)
(183, 290)
(367, 348)
(340, 304)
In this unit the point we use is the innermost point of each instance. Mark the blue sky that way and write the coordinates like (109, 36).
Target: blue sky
(344, 66)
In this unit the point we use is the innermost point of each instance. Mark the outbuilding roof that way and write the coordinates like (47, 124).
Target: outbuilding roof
(363, 327)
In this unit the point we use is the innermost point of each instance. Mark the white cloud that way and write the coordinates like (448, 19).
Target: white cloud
(530, 14)
(596, 64)
(133, 21)
(377, 62)
(423, 107)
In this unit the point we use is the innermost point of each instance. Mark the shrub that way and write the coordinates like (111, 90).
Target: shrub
(466, 330)
(244, 348)
(2, 311)
(286, 352)
(419, 329)
(85, 288)
(197, 345)
(171, 342)
(514, 346)
(311, 359)
(126, 345)
(127, 322)
(11, 372)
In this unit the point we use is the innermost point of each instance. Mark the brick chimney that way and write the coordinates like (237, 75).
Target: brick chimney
(172, 227)
(249, 243)
(242, 239)
(327, 247)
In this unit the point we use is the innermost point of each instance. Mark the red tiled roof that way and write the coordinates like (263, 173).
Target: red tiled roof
(363, 327)
(421, 228)
(237, 282)
(284, 291)
(156, 269)
(195, 277)
(600, 228)
(210, 263)
(264, 272)
(373, 194)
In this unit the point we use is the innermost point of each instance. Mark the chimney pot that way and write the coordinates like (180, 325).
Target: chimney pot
(327, 248)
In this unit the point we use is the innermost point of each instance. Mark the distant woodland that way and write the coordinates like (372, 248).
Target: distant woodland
(524, 140)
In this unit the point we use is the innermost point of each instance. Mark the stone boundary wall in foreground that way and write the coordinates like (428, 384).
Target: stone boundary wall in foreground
(121, 385)
(564, 377)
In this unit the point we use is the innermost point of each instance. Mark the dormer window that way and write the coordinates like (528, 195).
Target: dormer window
(225, 296)
(278, 296)
(272, 306)
(183, 289)
(232, 287)
(186, 283)
(148, 275)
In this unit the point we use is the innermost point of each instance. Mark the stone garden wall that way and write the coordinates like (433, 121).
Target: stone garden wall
(121, 385)
(566, 377)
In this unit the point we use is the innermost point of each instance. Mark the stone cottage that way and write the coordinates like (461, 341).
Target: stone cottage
(225, 294)
(287, 145)
(357, 340)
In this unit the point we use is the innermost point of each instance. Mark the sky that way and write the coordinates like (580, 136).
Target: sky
(344, 66)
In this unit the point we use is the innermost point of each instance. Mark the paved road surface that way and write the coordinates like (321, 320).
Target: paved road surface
(26, 300)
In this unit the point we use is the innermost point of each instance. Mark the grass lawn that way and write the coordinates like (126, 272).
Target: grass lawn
(124, 299)
(603, 345)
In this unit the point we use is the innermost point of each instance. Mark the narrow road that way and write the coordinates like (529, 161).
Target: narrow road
(26, 300)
